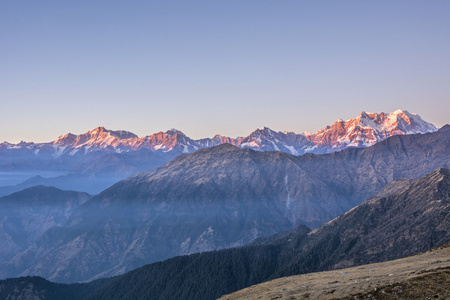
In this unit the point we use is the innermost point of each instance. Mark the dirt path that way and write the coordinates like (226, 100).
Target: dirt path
(421, 276)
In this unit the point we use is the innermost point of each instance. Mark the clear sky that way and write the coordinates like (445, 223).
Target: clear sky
(208, 67)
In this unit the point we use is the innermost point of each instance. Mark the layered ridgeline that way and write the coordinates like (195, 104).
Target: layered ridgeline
(26, 215)
(364, 130)
(91, 173)
(216, 198)
(94, 160)
(407, 217)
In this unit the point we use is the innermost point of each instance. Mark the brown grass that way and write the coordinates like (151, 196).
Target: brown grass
(422, 276)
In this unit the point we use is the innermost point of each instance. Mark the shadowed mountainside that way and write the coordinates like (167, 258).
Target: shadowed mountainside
(404, 220)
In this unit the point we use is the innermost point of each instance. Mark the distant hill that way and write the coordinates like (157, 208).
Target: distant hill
(26, 215)
(94, 173)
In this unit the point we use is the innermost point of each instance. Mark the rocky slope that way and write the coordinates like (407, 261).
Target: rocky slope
(406, 222)
(220, 197)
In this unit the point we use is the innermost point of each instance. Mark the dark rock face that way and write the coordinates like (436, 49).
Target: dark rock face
(217, 198)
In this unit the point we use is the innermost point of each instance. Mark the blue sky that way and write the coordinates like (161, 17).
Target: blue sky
(208, 67)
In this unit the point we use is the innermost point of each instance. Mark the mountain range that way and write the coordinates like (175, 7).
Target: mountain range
(95, 160)
(407, 217)
(364, 130)
(219, 197)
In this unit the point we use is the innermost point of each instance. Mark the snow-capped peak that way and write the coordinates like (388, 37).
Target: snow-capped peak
(173, 131)
(369, 128)
(122, 134)
(411, 123)
(97, 130)
(364, 130)
(400, 112)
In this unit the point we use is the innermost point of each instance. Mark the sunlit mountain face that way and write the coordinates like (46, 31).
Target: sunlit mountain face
(364, 130)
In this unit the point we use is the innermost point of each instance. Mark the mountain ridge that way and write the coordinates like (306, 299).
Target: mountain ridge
(364, 130)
